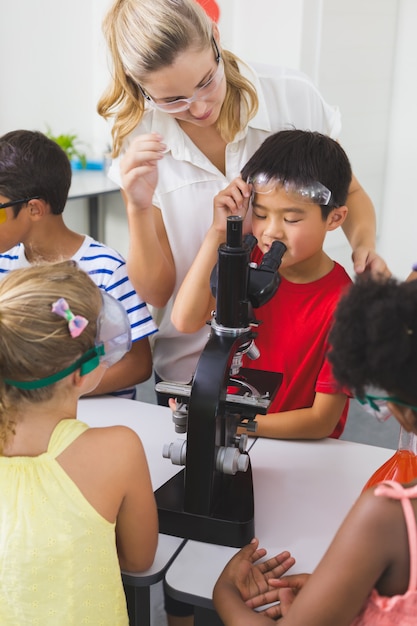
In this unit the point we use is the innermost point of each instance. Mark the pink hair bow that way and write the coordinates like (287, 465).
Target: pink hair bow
(76, 323)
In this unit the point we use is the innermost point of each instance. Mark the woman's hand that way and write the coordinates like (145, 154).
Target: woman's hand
(139, 169)
(365, 259)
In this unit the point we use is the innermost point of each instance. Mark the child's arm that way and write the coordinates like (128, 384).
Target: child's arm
(137, 518)
(109, 467)
(243, 579)
(150, 263)
(134, 368)
(195, 302)
(315, 422)
(361, 555)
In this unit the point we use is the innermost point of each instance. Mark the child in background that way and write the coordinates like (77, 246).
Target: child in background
(35, 177)
(297, 183)
(374, 345)
(69, 493)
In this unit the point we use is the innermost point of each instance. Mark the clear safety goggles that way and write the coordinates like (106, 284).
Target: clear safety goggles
(202, 93)
(113, 341)
(375, 402)
(315, 192)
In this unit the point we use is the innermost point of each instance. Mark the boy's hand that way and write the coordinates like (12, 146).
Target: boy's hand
(234, 200)
(139, 169)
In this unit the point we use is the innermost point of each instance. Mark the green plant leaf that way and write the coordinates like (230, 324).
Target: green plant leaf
(70, 144)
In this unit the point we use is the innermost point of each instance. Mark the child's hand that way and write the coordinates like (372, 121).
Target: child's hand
(139, 169)
(287, 588)
(251, 579)
(234, 200)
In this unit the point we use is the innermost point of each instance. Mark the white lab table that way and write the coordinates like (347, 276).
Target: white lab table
(154, 426)
(92, 185)
(303, 490)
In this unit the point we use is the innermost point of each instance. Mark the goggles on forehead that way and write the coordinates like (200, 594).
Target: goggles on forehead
(113, 341)
(375, 402)
(313, 192)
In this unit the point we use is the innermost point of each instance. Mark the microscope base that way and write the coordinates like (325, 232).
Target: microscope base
(230, 524)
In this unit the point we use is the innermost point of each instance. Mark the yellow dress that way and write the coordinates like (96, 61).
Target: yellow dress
(58, 559)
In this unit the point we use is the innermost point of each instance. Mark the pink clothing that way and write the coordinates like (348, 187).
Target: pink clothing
(395, 610)
(293, 339)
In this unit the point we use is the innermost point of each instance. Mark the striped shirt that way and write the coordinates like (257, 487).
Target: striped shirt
(107, 269)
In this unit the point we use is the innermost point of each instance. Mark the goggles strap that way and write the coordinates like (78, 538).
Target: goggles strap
(86, 364)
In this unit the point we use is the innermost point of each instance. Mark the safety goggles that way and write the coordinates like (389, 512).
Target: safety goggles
(113, 341)
(313, 192)
(202, 93)
(5, 205)
(375, 402)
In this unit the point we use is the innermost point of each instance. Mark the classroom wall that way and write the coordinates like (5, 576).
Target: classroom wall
(362, 54)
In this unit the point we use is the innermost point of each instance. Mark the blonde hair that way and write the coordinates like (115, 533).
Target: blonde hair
(144, 36)
(34, 341)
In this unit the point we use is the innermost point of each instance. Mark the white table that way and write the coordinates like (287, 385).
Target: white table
(303, 490)
(154, 426)
(91, 184)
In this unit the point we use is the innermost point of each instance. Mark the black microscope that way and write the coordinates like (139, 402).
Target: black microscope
(211, 500)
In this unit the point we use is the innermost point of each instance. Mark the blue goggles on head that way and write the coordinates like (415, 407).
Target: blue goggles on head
(113, 341)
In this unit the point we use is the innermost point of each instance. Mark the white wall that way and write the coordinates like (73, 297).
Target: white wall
(354, 64)
(54, 68)
(398, 241)
(362, 54)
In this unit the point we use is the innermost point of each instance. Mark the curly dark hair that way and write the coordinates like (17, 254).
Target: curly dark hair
(374, 338)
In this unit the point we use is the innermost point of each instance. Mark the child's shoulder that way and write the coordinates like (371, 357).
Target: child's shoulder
(98, 250)
(115, 435)
(115, 446)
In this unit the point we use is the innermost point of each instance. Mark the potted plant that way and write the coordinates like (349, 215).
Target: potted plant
(71, 145)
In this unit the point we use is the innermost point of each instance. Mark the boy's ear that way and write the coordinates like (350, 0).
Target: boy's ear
(336, 217)
(37, 208)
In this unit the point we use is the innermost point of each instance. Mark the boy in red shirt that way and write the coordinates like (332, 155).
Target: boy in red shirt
(296, 186)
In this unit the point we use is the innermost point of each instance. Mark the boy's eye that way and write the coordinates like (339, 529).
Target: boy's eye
(294, 221)
(260, 217)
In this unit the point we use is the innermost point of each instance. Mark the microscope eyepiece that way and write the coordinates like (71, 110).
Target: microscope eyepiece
(234, 231)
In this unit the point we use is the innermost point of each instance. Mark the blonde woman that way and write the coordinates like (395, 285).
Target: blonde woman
(187, 115)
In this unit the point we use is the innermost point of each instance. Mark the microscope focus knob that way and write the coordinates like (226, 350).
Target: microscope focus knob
(230, 461)
(176, 451)
(179, 417)
(241, 442)
(253, 352)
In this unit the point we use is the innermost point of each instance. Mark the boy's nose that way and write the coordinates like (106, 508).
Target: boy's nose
(274, 232)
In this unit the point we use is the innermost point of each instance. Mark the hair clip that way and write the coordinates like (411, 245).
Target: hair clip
(76, 323)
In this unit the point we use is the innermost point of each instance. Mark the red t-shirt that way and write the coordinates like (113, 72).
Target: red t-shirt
(293, 339)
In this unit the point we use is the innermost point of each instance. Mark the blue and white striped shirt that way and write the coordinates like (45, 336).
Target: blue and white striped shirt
(107, 269)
